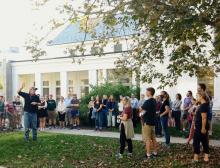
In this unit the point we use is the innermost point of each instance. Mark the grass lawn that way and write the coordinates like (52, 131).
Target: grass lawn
(175, 133)
(57, 150)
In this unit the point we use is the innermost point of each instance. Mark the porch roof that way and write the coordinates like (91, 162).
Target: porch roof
(73, 33)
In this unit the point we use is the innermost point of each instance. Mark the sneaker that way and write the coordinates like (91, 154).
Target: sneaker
(148, 157)
(118, 156)
(129, 154)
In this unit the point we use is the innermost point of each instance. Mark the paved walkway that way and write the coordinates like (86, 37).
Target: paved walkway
(116, 135)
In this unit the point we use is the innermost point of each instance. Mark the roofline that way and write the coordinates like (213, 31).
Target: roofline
(77, 56)
(90, 40)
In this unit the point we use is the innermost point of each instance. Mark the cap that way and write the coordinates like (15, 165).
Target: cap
(34, 88)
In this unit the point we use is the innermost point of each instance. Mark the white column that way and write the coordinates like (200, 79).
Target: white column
(15, 84)
(216, 101)
(93, 77)
(64, 83)
(38, 82)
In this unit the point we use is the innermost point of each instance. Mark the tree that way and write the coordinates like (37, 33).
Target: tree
(182, 36)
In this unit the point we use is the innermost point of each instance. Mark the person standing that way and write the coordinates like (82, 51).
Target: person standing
(91, 112)
(111, 107)
(176, 111)
(51, 109)
(61, 109)
(67, 102)
(75, 112)
(192, 111)
(164, 115)
(141, 101)
(99, 115)
(148, 113)
(202, 88)
(134, 106)
(2, 112)
(104, 111)
(126, 129)
(42, 113)
(120, 104)
(18, 111)
(30, 111)
(158, 127)
(186, 106)
(201, 128)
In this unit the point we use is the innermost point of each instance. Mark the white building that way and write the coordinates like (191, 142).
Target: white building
(56, 73)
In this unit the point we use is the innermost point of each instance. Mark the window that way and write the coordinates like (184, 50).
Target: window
(71, 90)
(118, 48)
(114, 77)
(70, 82)
(46, 91)
(100, 76)
(46, 83)
(58, 93)
(84, 82)
(57, 83)
(84, 90)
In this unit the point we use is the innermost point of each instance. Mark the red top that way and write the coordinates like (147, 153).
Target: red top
(128, 111)
(10, 107)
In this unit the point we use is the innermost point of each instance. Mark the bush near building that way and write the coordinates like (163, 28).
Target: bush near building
(105, 89)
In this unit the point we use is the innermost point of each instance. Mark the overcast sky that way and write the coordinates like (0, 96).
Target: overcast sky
(17, 18)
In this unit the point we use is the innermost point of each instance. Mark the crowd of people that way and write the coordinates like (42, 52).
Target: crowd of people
(159, 112)
(155, 115)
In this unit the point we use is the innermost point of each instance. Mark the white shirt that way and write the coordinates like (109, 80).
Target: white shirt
(61, 106)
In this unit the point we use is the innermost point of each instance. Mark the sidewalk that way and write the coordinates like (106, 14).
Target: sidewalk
(116, 135)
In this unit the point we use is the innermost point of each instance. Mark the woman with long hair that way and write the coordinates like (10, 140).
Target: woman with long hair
(111, 105)
(201, 128)
(90, 113)
(42, 113)
(98, 114)
(164, 115)
(176, 111)
(126, 128)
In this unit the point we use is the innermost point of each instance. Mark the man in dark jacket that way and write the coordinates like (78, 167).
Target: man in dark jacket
(31, 102)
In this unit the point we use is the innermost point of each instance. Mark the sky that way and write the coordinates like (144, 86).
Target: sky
(18, 18)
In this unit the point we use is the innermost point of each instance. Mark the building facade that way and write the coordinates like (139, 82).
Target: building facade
(58, 75)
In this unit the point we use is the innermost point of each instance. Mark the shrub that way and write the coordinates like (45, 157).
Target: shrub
(105, 89)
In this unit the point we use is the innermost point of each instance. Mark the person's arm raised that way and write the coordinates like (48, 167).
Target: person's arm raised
(21, 88)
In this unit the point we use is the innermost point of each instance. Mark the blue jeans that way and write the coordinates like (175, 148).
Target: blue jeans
(164, 124)
(30, 122)
(99, 120)
(104, 119)
(158, 129)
